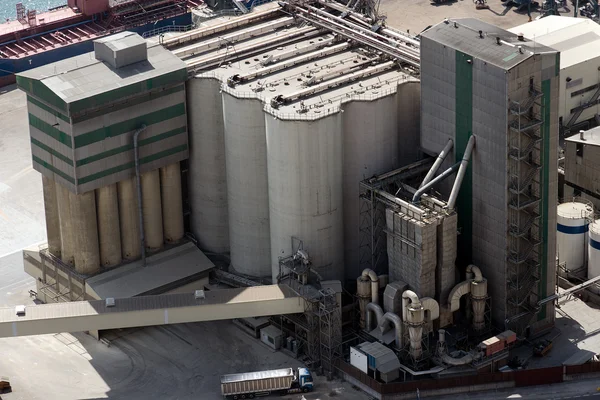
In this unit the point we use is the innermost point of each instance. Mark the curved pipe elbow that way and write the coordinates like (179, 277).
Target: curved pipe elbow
(397, 322)
(369, 273)
(371, 309)
(432, 306)
(456, 293)
(476, 271)
(409, 298)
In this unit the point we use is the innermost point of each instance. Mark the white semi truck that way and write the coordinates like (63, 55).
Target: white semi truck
(250, 384)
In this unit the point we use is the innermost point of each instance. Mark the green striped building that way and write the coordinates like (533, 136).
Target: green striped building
(83, 113)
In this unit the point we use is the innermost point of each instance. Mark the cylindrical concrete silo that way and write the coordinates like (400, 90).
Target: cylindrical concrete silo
(304, 160)
(172, 208)
(67, 240)
(129, 219)
(109, 230)
(152, 209)
(52, 219)
(572, 226)
(247, 186)
(594, 254)
(370, 148)
(85, 232)
(207, 182)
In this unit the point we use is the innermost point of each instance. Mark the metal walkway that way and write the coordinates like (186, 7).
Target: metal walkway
(142, 311)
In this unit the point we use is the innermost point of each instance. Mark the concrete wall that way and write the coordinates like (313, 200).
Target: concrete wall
(583, 171)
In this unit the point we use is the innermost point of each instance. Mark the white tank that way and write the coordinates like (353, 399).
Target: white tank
(304, 160)
(207, 177)
(594, 253)
(572, 227)
(247, 186)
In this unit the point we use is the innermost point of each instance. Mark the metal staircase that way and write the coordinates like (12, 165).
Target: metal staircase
(524, 202)
(241, 6)
(582, 107)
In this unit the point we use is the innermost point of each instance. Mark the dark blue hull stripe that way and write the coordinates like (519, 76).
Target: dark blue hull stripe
(572, 230)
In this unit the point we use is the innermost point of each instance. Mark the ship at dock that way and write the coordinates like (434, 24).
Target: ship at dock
(33, 40)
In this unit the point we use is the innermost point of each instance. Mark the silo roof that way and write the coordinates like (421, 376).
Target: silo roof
(463, 35)
(82, 82)
(591, 137)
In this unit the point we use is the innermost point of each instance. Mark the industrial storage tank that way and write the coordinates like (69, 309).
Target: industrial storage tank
(207, 177)
(247, 186)
(572, 228)
(304, 160)
(593, 269)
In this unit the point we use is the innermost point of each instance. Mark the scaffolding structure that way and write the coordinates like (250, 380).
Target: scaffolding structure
(525, 160)
(330, 329)
(375, 197)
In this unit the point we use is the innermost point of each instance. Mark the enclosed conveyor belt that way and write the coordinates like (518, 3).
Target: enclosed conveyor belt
(233, 37)
(234, 23)
(141, 311)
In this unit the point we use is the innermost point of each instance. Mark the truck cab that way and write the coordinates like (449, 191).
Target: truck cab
(305, 379)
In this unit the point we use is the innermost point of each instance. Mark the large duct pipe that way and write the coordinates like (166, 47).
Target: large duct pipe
(372, 275)
(461, 173)
(409, 298)
(373, 308)
(363, 292)
(136, 157)
(456, 293)
(473, 269)
(413, 314)
(394, 319)
(432, 306)
(438, 162)
(436, 180)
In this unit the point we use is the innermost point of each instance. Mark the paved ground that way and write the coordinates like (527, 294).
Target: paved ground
(21, 201)
(416, 15)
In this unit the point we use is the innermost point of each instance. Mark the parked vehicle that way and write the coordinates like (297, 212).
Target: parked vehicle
(250, 384)
(4, 384)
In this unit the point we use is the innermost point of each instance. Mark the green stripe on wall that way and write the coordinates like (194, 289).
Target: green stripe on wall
(546, 90)
(50, 130)
(464, 130)
(53, 169)
(134, 102)
(48, 109)
(129, 125)
(143, 160)
(51, 151)
(129, 147)
(169, 79)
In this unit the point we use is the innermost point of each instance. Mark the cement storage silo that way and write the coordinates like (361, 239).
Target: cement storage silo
(52, 219)
(247, 185)
(304, 160)
(85, 232)
(152, 210)
(572, 227)
(593, 269)
(172, 207)
(370, 148)
(129, 219)
(67, 241)
(208, 180)
(109, 230)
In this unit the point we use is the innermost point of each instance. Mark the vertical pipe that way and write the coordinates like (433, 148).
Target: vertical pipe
(461, 173)
(67, 245)
(136, 157)
(109, 231)
(439, 178)
(152, 210)
(172, 207)
(52, 219)
(129, 219)
(438, 162)
(85, 232)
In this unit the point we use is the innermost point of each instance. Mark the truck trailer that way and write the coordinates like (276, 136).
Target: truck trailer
(281, 381)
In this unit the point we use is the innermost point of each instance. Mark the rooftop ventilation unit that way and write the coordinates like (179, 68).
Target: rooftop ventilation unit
(110, 302)
(199, 295)
(122, 49)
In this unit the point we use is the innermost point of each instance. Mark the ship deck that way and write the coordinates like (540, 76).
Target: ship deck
(47, 17)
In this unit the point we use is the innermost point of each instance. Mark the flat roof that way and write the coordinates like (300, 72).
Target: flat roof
(590, 137)
(84, 76)
(577, 39)
(462, 34)
(181, 264)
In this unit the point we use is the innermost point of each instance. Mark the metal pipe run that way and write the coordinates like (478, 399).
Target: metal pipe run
(438, 162)
(136, 156)
(394, 319)
(372, 275)
(437, 179)
(371, 309)
(461, 173)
